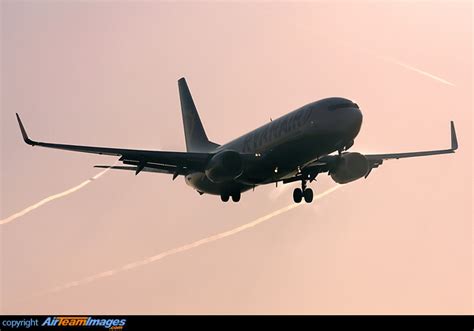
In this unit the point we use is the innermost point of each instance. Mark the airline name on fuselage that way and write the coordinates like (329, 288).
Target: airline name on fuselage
(274, 130)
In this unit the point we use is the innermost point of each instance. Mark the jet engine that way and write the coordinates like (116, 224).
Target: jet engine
(349, 167)
(224, 166)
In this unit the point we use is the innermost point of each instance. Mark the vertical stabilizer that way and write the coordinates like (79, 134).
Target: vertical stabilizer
(196, 138)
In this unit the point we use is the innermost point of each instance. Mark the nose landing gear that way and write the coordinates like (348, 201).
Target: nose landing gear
(303, 192)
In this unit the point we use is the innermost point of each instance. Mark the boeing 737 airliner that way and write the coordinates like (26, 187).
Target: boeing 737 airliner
(294, 147)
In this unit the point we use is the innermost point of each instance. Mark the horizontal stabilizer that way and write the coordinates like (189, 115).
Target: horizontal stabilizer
(148, 168)
(132, 168)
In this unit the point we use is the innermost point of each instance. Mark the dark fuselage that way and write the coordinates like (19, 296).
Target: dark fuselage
(277, 149)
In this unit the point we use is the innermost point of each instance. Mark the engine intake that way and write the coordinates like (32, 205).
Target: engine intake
(224, 166)
(350, 167)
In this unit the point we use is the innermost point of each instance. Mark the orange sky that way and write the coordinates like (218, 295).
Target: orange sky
(105, 74)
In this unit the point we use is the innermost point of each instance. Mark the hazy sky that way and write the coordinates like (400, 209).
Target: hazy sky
(104, 73)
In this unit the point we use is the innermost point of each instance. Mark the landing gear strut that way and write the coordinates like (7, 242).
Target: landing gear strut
(303, 192)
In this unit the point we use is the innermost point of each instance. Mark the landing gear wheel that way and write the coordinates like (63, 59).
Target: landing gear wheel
(297, 195)
(308, 195)
(224, 197)
(236, 197)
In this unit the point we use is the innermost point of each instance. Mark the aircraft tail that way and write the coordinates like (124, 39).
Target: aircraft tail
(196, 138)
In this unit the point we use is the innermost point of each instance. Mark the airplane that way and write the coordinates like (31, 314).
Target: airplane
(295, 147)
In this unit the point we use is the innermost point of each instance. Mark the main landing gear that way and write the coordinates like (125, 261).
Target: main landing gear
(303, 192)
(235, 197)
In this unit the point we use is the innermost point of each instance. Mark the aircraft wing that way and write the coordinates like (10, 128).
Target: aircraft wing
(179, 163)
(377, 159)
(328, 162)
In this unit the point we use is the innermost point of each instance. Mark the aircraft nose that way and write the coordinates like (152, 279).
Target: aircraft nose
(352, 121)
(357, 117)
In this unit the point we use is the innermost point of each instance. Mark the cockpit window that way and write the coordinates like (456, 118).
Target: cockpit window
(343, 105)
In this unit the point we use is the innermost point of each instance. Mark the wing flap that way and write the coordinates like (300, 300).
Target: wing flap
(134, 168)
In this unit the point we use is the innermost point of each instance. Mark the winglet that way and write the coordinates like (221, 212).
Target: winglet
(454, 139)
(23, 132)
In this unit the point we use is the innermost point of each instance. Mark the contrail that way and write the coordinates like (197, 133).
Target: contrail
(389, 59)
(51, 198)
(183, 248)
(367, 51)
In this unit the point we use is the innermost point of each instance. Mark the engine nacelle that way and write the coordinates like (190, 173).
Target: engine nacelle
(350, 166)
(224, 166)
